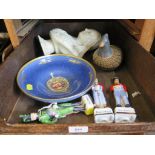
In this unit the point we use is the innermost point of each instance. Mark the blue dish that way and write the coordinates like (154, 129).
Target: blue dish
(56, 78)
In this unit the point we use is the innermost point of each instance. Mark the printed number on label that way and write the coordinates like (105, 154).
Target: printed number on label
(78, 129)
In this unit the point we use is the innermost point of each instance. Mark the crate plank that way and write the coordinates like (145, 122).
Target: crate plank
(147, 34)
(12, 32)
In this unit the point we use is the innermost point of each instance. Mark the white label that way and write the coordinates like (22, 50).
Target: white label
(99, 111)
(124, 110)
(78, 129)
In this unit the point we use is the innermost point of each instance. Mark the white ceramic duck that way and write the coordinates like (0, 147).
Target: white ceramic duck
(63, 43)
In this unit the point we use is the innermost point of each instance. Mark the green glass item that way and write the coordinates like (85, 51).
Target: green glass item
(51, 114)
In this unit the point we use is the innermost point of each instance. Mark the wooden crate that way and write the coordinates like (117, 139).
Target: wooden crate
(137, 72)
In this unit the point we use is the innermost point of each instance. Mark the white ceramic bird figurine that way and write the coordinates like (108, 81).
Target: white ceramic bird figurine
(63, 43)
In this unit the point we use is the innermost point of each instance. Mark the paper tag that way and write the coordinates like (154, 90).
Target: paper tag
(78, 129)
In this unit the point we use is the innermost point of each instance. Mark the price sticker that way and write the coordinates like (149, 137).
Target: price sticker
(78, 129)
(29, 87)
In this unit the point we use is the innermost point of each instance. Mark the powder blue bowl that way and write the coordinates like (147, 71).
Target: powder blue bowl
(32, 78)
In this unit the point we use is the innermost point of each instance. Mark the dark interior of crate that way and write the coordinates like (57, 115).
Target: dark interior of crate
(26, 105)
(143, 103)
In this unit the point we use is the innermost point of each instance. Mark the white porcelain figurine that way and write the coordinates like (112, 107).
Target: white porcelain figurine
(124, 113)
(63, 43)
(102, 113)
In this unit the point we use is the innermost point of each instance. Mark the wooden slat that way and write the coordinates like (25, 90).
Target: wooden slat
(17, 24)
(147, 34)
(27, 27)
(131, 28)
(12, 32)
(139, 23)
(111, 128)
